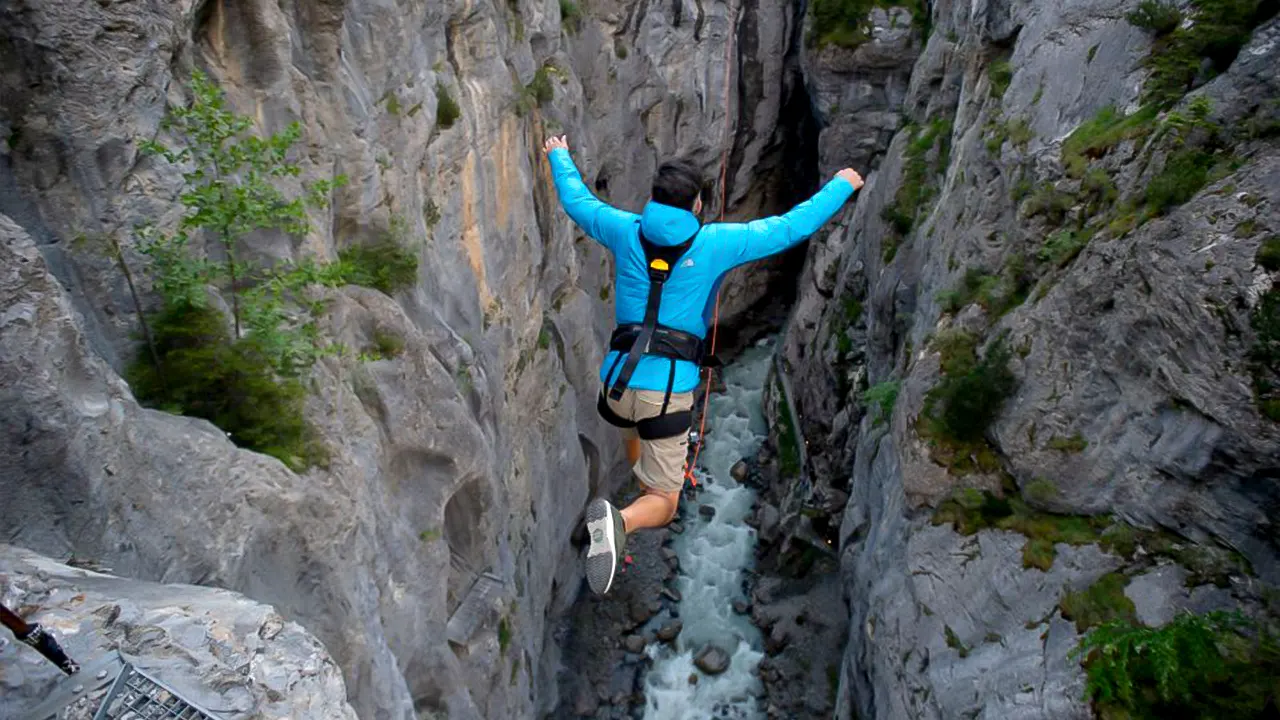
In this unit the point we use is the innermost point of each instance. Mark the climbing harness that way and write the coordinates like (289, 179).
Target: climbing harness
(634, 341)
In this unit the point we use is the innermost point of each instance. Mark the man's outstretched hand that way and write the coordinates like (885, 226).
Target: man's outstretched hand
(850, 175)
(555, 142)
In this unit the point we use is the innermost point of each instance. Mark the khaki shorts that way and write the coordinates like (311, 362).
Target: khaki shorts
(661, 464)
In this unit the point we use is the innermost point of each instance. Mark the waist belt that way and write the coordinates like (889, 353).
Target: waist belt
(664, 342)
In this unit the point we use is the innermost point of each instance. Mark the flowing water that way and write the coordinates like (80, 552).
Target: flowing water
(713, 555)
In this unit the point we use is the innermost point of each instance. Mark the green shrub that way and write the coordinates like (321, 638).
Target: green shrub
(919, 184)
(884, 396)
(844, 343)
(393, 103)
(1102, 602)
(1022, 188)
(1158, 17)
(997, 294)
(540, 88)
(788, 438)
(844, 22)
(1050, 202)
(447, 110)
(1184, 173)
(970, 511)
(1001, 74)
(1074, 444)
(232, 384)
(997, 132)
(833, 682)
(383, 265)
(961, 449)
(1264, 358)
(1098, 191)
(1120, 539)
(957, 351)
(953, 642)
(430, 213)
(1268, 257)
(539, 91)
(1041, 491)
(899, 221)
(387, 344)
(1097, 136)
(971, 394)
(1063, 246)
(1217, 31)
(504, 635)
(570, 16)
(1216, 665)
(1020, 133)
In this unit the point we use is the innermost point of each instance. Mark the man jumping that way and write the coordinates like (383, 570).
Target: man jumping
(668, 269)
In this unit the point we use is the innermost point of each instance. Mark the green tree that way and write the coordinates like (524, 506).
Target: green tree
(246, 378)
(229, 189)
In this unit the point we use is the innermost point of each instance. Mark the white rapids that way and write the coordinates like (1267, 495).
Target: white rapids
(713, 555)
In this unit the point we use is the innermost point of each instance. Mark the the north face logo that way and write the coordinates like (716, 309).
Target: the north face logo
(687, 263)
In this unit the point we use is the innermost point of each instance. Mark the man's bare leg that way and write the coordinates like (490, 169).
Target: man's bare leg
(653, 509)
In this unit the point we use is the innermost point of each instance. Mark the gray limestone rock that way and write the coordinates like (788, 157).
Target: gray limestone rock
(217, 648)
(858, 93)
(1161, 593)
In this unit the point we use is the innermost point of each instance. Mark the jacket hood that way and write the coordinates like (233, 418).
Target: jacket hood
(666, 225)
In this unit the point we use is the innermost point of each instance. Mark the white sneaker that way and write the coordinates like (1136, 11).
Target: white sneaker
(608, 539)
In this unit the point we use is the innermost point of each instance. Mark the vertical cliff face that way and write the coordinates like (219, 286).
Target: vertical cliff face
(1030, 203)
(474, 449)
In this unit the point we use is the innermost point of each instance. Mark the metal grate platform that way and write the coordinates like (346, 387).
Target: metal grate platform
(138, 696)
(111, 688)
(481, 600)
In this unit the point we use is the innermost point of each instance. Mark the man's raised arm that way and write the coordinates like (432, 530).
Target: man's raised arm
(758, 239)
(602, 222)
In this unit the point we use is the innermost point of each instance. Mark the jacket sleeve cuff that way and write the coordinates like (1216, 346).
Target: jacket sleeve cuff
(844, 185)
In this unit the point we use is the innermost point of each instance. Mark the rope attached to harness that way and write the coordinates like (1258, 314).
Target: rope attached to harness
(689, 466)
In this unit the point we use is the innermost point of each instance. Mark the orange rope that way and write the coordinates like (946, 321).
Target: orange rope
(715, 318)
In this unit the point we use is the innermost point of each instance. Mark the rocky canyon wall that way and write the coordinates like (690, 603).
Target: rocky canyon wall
(1028, 201)
(473, 450)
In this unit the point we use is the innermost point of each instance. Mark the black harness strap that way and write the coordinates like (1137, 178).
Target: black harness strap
(662, 426)
(660, 259)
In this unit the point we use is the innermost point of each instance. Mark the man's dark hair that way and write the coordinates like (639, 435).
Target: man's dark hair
(677, 184)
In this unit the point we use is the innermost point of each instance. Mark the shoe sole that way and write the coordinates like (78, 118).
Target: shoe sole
(602, 555)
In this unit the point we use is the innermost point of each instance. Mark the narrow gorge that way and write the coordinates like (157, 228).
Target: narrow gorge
(1023, 393)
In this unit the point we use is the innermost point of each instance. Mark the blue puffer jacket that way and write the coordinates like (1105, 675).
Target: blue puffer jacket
(689, 295)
